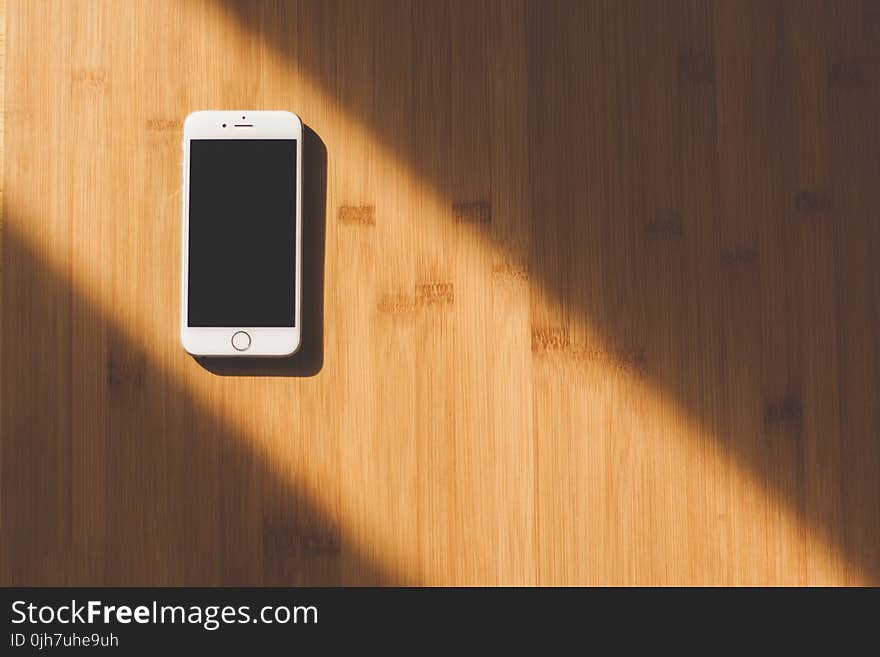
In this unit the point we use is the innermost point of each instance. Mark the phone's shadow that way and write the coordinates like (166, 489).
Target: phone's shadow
(309, 359)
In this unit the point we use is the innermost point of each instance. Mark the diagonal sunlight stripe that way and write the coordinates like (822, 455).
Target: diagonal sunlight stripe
(142, 328)
(812, 534)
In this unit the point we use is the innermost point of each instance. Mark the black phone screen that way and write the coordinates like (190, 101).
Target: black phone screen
(242, 232)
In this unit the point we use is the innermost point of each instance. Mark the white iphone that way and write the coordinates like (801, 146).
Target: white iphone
(242, 217)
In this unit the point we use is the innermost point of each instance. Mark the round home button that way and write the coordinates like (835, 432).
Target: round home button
(241, 341)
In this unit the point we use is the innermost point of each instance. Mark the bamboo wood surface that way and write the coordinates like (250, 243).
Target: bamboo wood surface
(599, 305)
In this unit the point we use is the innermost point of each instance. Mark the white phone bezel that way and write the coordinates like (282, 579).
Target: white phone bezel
(216, 341)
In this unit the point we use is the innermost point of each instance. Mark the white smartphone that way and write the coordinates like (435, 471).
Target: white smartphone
(242, 226)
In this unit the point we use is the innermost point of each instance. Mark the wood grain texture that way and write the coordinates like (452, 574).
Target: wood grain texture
(600, 303)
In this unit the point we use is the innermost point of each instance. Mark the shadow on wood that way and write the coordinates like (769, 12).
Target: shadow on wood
(135, 482)
(701, 194)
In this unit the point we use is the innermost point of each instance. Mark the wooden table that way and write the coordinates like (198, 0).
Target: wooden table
(594, 296)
